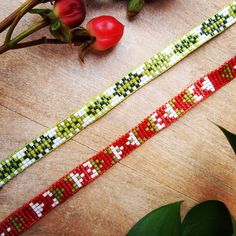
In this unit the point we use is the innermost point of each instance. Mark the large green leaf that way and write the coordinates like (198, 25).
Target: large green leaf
(234, 225)
(164, 221)
(230, 136)
(210, 218)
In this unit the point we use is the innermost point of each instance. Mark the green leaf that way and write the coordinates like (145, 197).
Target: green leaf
(63, 33)
(55, 25)
(79, 33)
(230, 136)
(58, 29)
(44, 13)
(210, 218)
(164, 221)
(39, 11)
(234, 225)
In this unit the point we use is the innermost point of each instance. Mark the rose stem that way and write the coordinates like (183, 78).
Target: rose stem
(22, 12)
(28, 32)
(8, 44)
(43, 40)
(11, 44)
(8, 20)
(32, 43)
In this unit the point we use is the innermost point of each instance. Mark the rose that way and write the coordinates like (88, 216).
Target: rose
(70, 12)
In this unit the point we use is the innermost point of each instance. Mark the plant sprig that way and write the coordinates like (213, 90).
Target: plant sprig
(13, 19)
(9, 19)
(61, 33)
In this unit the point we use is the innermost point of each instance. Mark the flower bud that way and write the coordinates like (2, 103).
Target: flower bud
(134, 7)
(70, 12)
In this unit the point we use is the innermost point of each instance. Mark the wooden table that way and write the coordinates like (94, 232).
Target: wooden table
(191, 160)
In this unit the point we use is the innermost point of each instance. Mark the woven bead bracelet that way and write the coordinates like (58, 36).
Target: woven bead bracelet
(31, 212)
(119, 91)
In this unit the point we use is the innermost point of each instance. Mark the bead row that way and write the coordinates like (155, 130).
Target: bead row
(119, 91)
(31, 212)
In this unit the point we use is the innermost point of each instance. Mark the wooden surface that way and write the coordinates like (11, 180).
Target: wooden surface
(191, 160)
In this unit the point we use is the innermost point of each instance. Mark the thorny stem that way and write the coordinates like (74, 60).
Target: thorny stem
(13, 43)
(28, 32)
(9, 20)
(36, 42)
(22, 12)
(14, 18)
(3, 49)
(43, 40)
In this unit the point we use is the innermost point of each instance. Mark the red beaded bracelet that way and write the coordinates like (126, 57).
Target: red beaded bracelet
(31, 212)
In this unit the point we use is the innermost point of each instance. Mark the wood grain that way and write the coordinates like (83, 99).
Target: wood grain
(191, 160)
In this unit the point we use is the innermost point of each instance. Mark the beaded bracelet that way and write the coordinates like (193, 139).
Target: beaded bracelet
(31, 212)
(119, 91)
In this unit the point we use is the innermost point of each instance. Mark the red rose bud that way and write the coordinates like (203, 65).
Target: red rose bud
(107, 30)
(70, 12)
